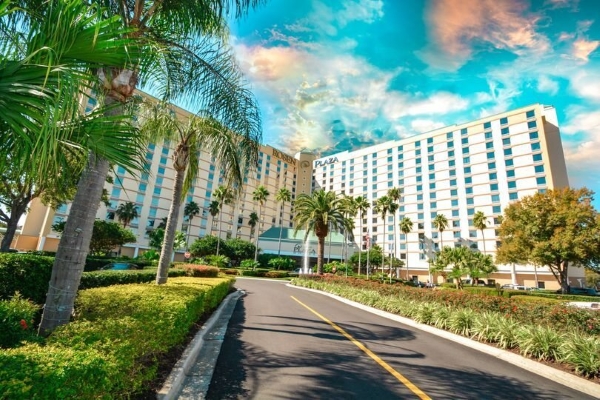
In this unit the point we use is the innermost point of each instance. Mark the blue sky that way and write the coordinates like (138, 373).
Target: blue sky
(334, 75)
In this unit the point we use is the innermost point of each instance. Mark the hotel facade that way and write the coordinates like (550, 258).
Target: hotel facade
(456, 171)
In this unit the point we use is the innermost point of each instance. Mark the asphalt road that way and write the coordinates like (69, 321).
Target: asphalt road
(276, 347)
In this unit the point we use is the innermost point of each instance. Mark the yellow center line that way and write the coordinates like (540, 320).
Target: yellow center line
(378, 360)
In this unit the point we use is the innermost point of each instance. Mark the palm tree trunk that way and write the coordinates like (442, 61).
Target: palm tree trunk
(280, 232)
(74, 246)
(187, 241)
(383, 246)
(360, 243)
(320, 254)
(219, 237)
(257, 234)
(167, 248)
(406, 242)
(483, 238)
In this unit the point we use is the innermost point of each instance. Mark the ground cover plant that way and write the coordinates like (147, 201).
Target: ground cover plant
(113, 346)
(550, 331)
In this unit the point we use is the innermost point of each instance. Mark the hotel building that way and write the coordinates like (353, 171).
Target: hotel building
(481, 165)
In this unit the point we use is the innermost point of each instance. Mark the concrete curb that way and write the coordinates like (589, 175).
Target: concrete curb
(564, 378)
(174, 383)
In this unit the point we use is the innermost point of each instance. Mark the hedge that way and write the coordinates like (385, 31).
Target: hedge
(17, 319)
(112, 348)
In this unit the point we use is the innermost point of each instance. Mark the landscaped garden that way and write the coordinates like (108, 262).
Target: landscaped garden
(546, 329)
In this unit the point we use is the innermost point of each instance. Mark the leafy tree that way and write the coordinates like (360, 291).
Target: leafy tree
(283, 196)
(552, 229)
(184, 57)
(362, 205)
(440, 222)
(395, 194)
(204, 246)
(383, 206)
(127, 212)
(462, 261)
(223, 196)
(260, 195)
(157, 237)
(284, 263)
(406, 226)
(105, 237)
(238, 249)
(480, 222)
(316, 213)
(373, 254)
(214, 208)
(190, 210)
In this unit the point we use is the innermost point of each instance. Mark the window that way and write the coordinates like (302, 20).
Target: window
(454, 203)
(451, 163)
(470, 201)
(420, 216)
(469, 190)
(419, 178)
(490, 155)
(495, 198)
(496, 209)
(493, 176)
(504, 131)
(450, 144)
(432, 195)
(466, 160)
(417, 144)
(494, 187)
(531, 124)
(530, 114)
(468, 180)
(430, 159)
(488, 135)
(455, 214)
(510, 173)
(161, 170)
(420, 206)
(429, 140)
(512, 184)
(452, 172)
(419, 170)
(401, 165)
(506, 142)
(487, 125)
(116, 192)
(513, 196)
(535, 146)
(537, 157)
(509, 163)
(430, 149)
(142, 187)
(449, 135)
(465, 140)
(539, 169)
(463, 131)
(503, 121)
(465, 150)
(418, 161)
(451, 153)
(508, 152)
(157, 191)
(432, 185)
(533, 135)
(400, 148)
(470, 211)
(452, 182)
(541, 180)
(492, 165)
(454, 192)
(419, 188)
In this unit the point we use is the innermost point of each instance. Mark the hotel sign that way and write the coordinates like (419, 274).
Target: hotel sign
(325, 161)
(284, 157)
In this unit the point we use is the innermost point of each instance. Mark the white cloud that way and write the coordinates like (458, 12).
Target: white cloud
(586, 122)
(582, 48)
(425, 125)
(547, 85)
(587, 85)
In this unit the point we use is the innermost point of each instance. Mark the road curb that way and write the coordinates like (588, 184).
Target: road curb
(174, 383)
(564, 378)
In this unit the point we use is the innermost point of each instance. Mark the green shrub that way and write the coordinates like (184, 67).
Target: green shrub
(540, 342)
(485, 326)
(425, 313)
(276, 274)
(97, 279)
(284, 263)
(583, 352)
(260, 272)
(217, 261)
(17, 318)
(461, 321)
(482, 290)
(200, 271)
(249, 264)
(230, 271)
(27, 274)
(506, 333)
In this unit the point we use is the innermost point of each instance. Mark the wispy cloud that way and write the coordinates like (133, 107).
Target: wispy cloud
(586, 85)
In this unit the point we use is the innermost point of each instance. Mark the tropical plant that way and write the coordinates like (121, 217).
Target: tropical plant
(260, 195)
(253, 221)
(395, 194)
(440, 222)
(184, 57)
(284, 263)
(283, 195)
(462, 261)
(406, 226)
(480, 222)
(317, 212)
(349, 206)
(157, 238)
(583, 352)
(362, 205)
(214, 208)
(224, 196)
(127, 212)
(552, 229)
(106, 236)
(382, 206)
(190, 210)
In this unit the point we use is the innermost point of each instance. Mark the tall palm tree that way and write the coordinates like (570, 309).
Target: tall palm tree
(406, 226)
(440, 222)
(190, 210)
(283, 195)
(127, 212)
(317, 212)
(382, 206)
(185, 57)
(392, 210)
(223, 196)
(349, 209)
(214, 208)
(260, 194)
(480, 222)
(395, 194)
(362, 205)
(253, 221)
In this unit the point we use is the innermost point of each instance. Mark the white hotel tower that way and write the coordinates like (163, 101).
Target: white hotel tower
(458, 170)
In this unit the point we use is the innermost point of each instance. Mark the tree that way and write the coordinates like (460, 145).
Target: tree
(362, 205)
(283, 195)
(260, 194)
(223, 196)
(214, 208)
(127, 212)
(253, 221)
(462, 261)
(190, 210)
(317, 212)
(552, 229)
(105, 236)
(440, 222)
(184, 57)
(349, 209)
(382, 206)
(375, 254)
(395, 194)
(406, 226)
(157, 237)
(237, 250)
(480, 222)
(204, 246)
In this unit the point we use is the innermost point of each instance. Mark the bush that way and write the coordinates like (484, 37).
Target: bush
(112, 348)
(249, 264)
(18, 317)
(217, 261)
(261, 272)
(230, 271)
(200, 271)
(276, 274)
(583, 352)
(284, 263)
(27, 274)
(96, 279)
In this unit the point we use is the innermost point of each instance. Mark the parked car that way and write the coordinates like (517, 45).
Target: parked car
(584, 291)
(120, 266)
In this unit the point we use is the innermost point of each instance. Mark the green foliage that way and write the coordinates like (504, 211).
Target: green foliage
(457, 262)
(112, 348)
(583, 352)
(540, 342)
(373, 255)
(284, 263)
(106, 236)
(218, 261)
(249, 264)
(96, 279)
(235, 249)
(200, 271)
(260, 272)
(150, 255)
(27, 274)
(157, 237)
(276, 274)
(17, 316)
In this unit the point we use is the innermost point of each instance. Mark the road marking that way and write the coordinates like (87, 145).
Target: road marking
(378, 360)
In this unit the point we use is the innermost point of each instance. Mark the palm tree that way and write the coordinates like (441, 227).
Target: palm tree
(480, 222)
(317, 212)
(185, 58)
(406, 226)
(283, 195)
(382, 206)
(395, 194)
(260, 194)
(253, 221)
(362, 205)
(214, 208)
(349, 210)
(223, 196)
(190, 210)
(127, 212)
(440, 222)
